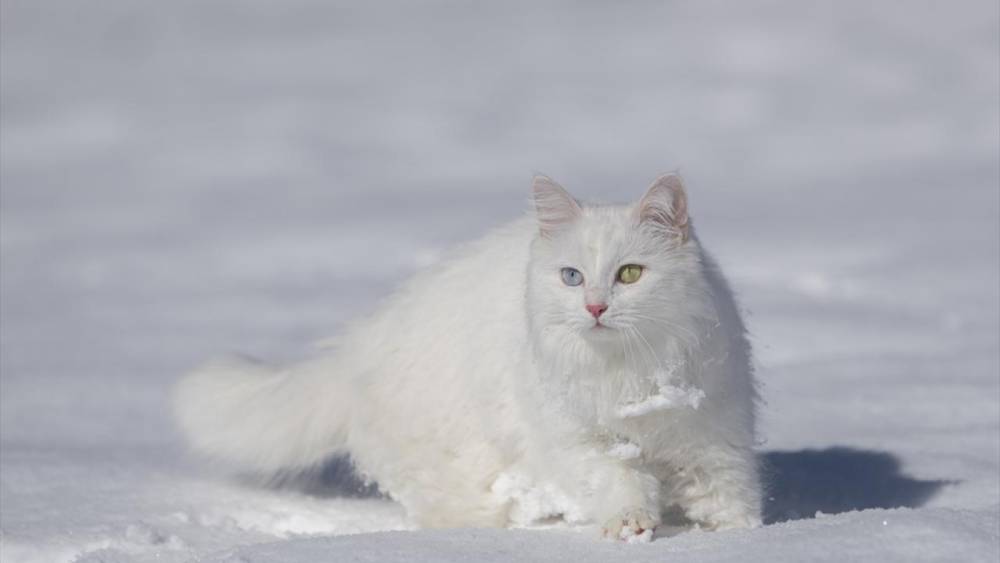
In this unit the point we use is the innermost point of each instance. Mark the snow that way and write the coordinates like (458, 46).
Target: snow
(532, 503)
(185, 179)
(667, 397)
(624, 450)
(893, 535)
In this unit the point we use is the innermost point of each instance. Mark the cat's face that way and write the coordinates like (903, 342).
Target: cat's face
(610, 273)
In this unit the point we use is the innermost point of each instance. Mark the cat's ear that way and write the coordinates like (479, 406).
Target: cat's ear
(665, 206)
(555, 208)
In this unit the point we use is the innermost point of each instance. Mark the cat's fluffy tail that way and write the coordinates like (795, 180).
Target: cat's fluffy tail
(260, 418)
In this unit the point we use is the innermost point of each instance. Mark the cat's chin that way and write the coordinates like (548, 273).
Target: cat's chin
(601, 333)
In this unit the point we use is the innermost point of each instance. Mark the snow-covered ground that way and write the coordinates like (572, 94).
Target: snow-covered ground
(182, 179)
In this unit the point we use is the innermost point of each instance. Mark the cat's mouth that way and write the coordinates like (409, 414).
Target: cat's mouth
(600, 333)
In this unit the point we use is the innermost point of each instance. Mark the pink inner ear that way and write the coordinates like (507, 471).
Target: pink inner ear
(665, 204)
(555, 208)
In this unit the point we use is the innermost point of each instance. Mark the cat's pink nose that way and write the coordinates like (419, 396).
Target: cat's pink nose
(597, 310)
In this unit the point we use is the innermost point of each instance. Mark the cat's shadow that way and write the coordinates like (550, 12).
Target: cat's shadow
(804, 482)
(335, 478)
(798, 483)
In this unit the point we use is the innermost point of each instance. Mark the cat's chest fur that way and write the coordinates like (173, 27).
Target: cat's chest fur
(606, 401)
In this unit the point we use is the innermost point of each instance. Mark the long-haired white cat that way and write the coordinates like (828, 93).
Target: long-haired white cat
(586, 361)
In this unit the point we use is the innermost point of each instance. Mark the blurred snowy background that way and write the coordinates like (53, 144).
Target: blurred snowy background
(183, 179)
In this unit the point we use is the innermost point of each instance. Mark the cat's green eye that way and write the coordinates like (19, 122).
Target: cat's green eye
(629, 273)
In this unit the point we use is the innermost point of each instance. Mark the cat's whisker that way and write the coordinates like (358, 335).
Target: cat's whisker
(665, 325)
(652, 351)
(637, 352)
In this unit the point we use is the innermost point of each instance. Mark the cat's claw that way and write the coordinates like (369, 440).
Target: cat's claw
(631, 525)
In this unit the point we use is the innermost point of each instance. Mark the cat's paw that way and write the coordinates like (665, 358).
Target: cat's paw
(631, 525)
(725, 519)
(716, 512)
(732, 522)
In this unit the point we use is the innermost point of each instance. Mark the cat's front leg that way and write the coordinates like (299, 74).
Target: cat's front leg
(719, 489)
(625, 500)
(614, 493)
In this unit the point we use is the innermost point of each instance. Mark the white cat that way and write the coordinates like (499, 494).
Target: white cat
(586, 361)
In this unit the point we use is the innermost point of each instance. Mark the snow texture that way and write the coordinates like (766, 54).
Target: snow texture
(531, 503)
(668, 397)
(624, 450)
(184, 179)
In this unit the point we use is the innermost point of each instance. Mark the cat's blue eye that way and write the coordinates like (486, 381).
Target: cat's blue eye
(572, 276)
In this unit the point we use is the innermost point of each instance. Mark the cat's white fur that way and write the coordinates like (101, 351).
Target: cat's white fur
(487, 370)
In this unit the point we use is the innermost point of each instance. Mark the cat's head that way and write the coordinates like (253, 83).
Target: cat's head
(613, 273)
